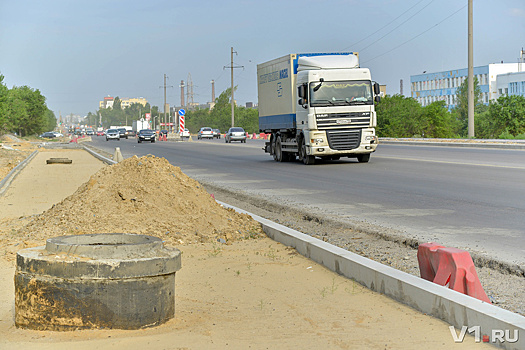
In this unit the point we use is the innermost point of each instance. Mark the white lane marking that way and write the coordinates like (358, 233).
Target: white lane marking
(456, 163)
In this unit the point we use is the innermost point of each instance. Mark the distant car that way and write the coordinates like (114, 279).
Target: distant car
(123, 133)
(100, 133)
(216, 133)
(185, 133)
(205, 133)
(132, 133)
(235, 134)
(146, 135)
(90, 132)
(57, 134)
(112, 134)
(48, 135)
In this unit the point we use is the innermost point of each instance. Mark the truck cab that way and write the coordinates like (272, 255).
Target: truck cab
(335, 112)
(317, 105)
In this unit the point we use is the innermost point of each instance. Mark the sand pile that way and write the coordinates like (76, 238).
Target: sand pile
(144, 195)
(12, 153)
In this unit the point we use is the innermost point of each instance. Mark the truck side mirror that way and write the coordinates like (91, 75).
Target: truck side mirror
(377, 90)
(377, 98)
(300, 91)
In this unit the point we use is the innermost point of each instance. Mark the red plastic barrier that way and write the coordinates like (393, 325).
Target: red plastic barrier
(450, 266)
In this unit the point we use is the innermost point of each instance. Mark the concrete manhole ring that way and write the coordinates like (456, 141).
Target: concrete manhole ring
(113, 280)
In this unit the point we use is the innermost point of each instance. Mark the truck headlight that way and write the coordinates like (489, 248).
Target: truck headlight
(318, 140)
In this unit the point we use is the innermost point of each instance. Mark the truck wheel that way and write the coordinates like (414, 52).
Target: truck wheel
(306, 159)
(363, 158)
(278, 151)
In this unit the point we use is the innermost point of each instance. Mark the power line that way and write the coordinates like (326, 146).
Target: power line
(417, 36)
(386, 25)
(409, 18)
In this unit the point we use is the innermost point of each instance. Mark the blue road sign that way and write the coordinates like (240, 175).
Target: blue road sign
(182, 112)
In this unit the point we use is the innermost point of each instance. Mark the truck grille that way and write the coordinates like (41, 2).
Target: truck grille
(347, 120)
(342, 140)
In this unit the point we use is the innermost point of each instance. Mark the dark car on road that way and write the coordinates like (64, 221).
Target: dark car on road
(123, 133)
(49, 135)
(146, 135)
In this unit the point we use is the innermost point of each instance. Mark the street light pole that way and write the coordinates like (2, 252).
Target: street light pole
(470, 72)
(233, 101)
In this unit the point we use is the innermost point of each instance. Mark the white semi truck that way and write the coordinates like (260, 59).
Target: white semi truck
(140, 125)
(317, 105)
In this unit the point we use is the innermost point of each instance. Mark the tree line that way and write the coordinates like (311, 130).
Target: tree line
(219, 117)
(399, 116)
(23, 111)
(116, 115)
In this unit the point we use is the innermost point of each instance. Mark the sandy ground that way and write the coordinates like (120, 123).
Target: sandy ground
(251, 293)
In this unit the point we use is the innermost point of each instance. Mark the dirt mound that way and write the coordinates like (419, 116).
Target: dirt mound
(144, 195)
(12, 152)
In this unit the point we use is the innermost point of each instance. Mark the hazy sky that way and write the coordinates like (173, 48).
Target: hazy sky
(77, 52)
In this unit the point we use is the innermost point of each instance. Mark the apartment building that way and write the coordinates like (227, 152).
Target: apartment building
(124, 102)
(442, 86)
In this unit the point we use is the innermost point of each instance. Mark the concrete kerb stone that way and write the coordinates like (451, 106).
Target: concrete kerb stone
(498, 144)
(100, 157)
(448, 305)
(6, 181)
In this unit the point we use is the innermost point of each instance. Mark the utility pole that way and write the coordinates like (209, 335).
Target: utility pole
(164, 99)
(182, 94)
(233, 101)
(213, 91)
(165, 105)
(470, 72)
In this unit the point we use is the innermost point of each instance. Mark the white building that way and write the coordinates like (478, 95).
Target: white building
(511, 84)
(430, 87)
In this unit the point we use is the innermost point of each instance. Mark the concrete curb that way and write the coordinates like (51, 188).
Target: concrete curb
(448, 305)
(517, 144)
(4, 184)
(99, 157)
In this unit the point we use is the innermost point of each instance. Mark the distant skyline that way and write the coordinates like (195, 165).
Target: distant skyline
(76, 53)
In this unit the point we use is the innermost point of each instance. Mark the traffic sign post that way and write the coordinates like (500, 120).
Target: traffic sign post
(181, 113)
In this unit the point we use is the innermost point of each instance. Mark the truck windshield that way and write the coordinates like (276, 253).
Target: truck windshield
(340, 93)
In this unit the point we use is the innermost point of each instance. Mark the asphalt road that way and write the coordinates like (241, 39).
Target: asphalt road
(470, 198)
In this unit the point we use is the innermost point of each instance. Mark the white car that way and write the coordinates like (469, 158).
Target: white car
(58, 134)
(235, 134)
(205, 133)
(185, 133)
(112, 134)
